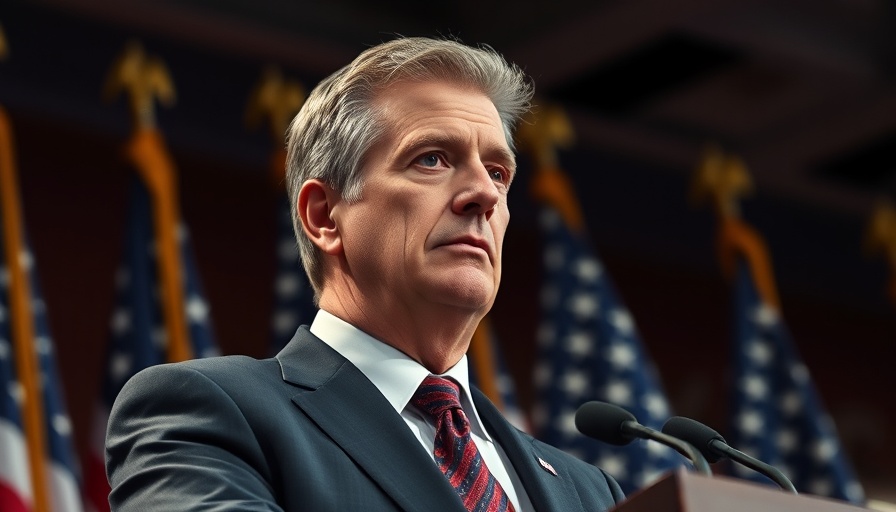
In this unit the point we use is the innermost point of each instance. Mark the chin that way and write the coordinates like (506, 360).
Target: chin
(475, 294)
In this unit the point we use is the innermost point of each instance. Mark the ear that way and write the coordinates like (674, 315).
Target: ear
(315, 204)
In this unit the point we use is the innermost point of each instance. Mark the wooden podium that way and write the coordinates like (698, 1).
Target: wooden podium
(683, 491)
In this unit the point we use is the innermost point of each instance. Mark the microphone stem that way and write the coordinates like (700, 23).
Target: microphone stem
(682, 447)
(756, 465)
(696, 457)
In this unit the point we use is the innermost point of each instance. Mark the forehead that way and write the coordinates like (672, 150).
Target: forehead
(407, 106)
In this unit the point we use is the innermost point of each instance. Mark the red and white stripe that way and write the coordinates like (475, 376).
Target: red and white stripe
(15, 479)
(96, 491)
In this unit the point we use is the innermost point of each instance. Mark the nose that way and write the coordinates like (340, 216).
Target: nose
(478, 194)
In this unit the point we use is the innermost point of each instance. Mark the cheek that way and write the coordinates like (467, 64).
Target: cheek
(398, 228)
(420, 217)
(499, 224)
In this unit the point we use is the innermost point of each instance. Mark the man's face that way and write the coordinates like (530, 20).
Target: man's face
(429, 227)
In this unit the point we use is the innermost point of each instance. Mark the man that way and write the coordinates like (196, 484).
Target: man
(399, 166)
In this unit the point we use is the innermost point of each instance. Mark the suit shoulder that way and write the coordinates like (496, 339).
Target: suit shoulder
(228, 365)
(225, 372)
(208, 365)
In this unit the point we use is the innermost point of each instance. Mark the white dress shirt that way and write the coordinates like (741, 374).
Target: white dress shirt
(397, 376)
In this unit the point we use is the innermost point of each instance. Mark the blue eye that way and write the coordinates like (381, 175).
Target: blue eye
(429, 160)
(497, 175)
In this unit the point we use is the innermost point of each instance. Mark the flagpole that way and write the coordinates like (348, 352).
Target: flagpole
(881, 237)
(484, 361)
(276, 100)
(540, 134)
(21, 324)
(724, 179)
(145, 79)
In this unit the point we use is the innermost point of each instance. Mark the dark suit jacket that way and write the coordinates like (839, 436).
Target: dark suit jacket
(303, 431)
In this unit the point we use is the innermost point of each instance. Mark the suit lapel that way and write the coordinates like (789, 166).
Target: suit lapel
(546, 481)
(349, 408)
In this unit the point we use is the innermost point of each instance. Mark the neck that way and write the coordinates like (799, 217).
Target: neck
(435, 337)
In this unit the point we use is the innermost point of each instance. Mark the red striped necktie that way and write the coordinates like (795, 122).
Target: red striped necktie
(455, 452)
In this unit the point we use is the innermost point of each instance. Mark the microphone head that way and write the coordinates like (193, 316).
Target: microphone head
(695, 433)
(603, 421)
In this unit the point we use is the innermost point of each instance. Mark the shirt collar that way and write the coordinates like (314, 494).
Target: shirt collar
(396, 375)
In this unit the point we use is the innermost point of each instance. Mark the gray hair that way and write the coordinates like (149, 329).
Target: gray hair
(337, 125)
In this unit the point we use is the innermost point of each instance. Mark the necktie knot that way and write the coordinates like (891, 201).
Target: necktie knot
(437, 395)
(454, 450)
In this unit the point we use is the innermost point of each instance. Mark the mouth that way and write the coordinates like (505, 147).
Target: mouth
(470, 241)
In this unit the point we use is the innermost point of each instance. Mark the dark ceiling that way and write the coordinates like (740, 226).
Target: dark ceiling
(804, 90)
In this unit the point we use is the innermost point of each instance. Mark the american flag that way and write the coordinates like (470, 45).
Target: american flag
(589, 349)
(777, 415)
(138, 338)
(293, 295)
(64, 472)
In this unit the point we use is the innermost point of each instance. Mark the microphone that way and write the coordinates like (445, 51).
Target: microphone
(613, 424)
(714, 447)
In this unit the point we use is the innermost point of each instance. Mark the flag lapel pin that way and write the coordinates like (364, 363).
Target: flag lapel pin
(547, 466)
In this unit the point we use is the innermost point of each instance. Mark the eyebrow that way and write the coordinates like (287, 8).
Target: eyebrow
(502, 154)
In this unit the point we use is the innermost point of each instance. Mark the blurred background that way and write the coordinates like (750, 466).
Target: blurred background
(803, 92)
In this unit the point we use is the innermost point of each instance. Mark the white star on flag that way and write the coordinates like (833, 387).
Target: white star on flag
(287, 286)
(121, 321)
(824, 450)
(197, 309)
(575, 383)
(16, 391)
(656, 405)
(759, 352)
(120, 366)
(622, 321)
(791, 403)
(751, 422)
(613, 464)
(584, 306)
(622, 355)
(567, 422)
(765, 316)
(786, 441)
(543, 373)
(62, 425)
(619, 393)
(754, 387)
(588, 269)
(578, 344)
